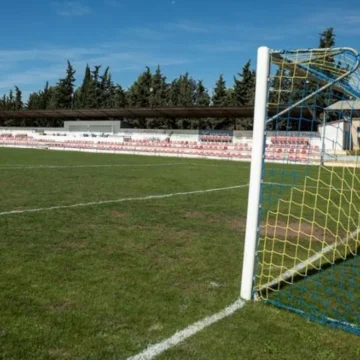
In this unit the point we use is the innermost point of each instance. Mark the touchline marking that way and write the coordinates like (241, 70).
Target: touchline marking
(159, 348)
(31, 167)
(150, 197)
(24, 167)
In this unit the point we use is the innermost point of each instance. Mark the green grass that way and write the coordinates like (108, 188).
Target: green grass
(104, 281)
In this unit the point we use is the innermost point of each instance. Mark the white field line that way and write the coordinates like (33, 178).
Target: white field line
(25, 167)
(157, 349)
(286, 275)
(94, 203)
(150, 197)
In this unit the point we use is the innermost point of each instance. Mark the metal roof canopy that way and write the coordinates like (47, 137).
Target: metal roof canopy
(137, 112)
(346, 105)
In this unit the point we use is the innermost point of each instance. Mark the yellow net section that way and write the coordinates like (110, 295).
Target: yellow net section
(317, 223)
(317, 66)
(310, 219)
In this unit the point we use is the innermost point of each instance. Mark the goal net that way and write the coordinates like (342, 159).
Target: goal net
(303, 221)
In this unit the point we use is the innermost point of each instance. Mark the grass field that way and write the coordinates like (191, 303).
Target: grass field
(81, 279)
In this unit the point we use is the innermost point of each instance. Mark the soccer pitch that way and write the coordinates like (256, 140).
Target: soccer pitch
(102, 255)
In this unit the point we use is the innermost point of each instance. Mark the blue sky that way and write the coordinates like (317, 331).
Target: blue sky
(204, 38)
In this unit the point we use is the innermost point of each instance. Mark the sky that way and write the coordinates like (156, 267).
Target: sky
(203, 37)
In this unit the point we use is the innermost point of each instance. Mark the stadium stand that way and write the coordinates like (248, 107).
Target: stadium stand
(181, 143)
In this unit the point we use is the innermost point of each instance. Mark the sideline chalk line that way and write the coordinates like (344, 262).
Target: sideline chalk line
(154, 350)
(150, 197)
(26, 167)
(34, 167)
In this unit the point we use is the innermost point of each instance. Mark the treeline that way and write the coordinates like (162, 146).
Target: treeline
(150, 89)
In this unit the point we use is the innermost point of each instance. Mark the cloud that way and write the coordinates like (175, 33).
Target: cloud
(113, 3)
(235, 32)
(143, 33)
(46, 54)
(344, 21)
(71, 8)
(30, 68)
(220, 47)
(188, 27)
(29, 77)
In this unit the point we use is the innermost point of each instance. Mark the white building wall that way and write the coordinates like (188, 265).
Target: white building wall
(333, 136)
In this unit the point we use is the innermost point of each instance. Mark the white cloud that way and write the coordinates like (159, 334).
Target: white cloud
(71, 8)
(344, 21)
(143, 33)
(45, 54)
(113, 3)
(29, 77)
(220, 47)
(188, 26)
(25, 69)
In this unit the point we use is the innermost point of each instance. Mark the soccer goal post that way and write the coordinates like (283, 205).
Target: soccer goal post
(303, 217)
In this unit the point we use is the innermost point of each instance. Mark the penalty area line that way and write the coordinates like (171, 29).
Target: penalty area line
(154, 350)
(95, 203)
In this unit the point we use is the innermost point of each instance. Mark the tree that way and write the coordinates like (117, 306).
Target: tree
(202, 97)
(65, 89)
(46, 96)
(10, 100)
(158, 96)
(174, 93)
(18, 104)
(244, 94)
(187, 97)
(107, 90)
(244, 89)
(41, 99)
(139, 92)
(120, 97)
(33, 101)
(95, 94)
(84, 98)
(77, 99)
(327, 38)
(220, 95)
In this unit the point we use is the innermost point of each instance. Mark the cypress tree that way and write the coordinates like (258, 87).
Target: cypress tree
(63, 99)
(220, 96)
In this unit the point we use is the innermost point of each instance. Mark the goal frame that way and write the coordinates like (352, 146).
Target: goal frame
(254, 209)
(257, 159)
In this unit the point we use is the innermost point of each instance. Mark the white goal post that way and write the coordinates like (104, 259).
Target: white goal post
(257, 158)
(303, 216)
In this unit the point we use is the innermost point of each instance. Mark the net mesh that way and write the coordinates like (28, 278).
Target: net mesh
(310, 219)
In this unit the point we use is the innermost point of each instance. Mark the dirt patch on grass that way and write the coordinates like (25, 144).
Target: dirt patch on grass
(278, 229)
(238, 224)
(233, 222)
(302, 230)
(60, 306)
(121, 215)
(202, 216)
(59, 354)
(69, 243)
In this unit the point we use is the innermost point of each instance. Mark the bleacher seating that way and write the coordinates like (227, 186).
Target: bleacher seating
(294, 149)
